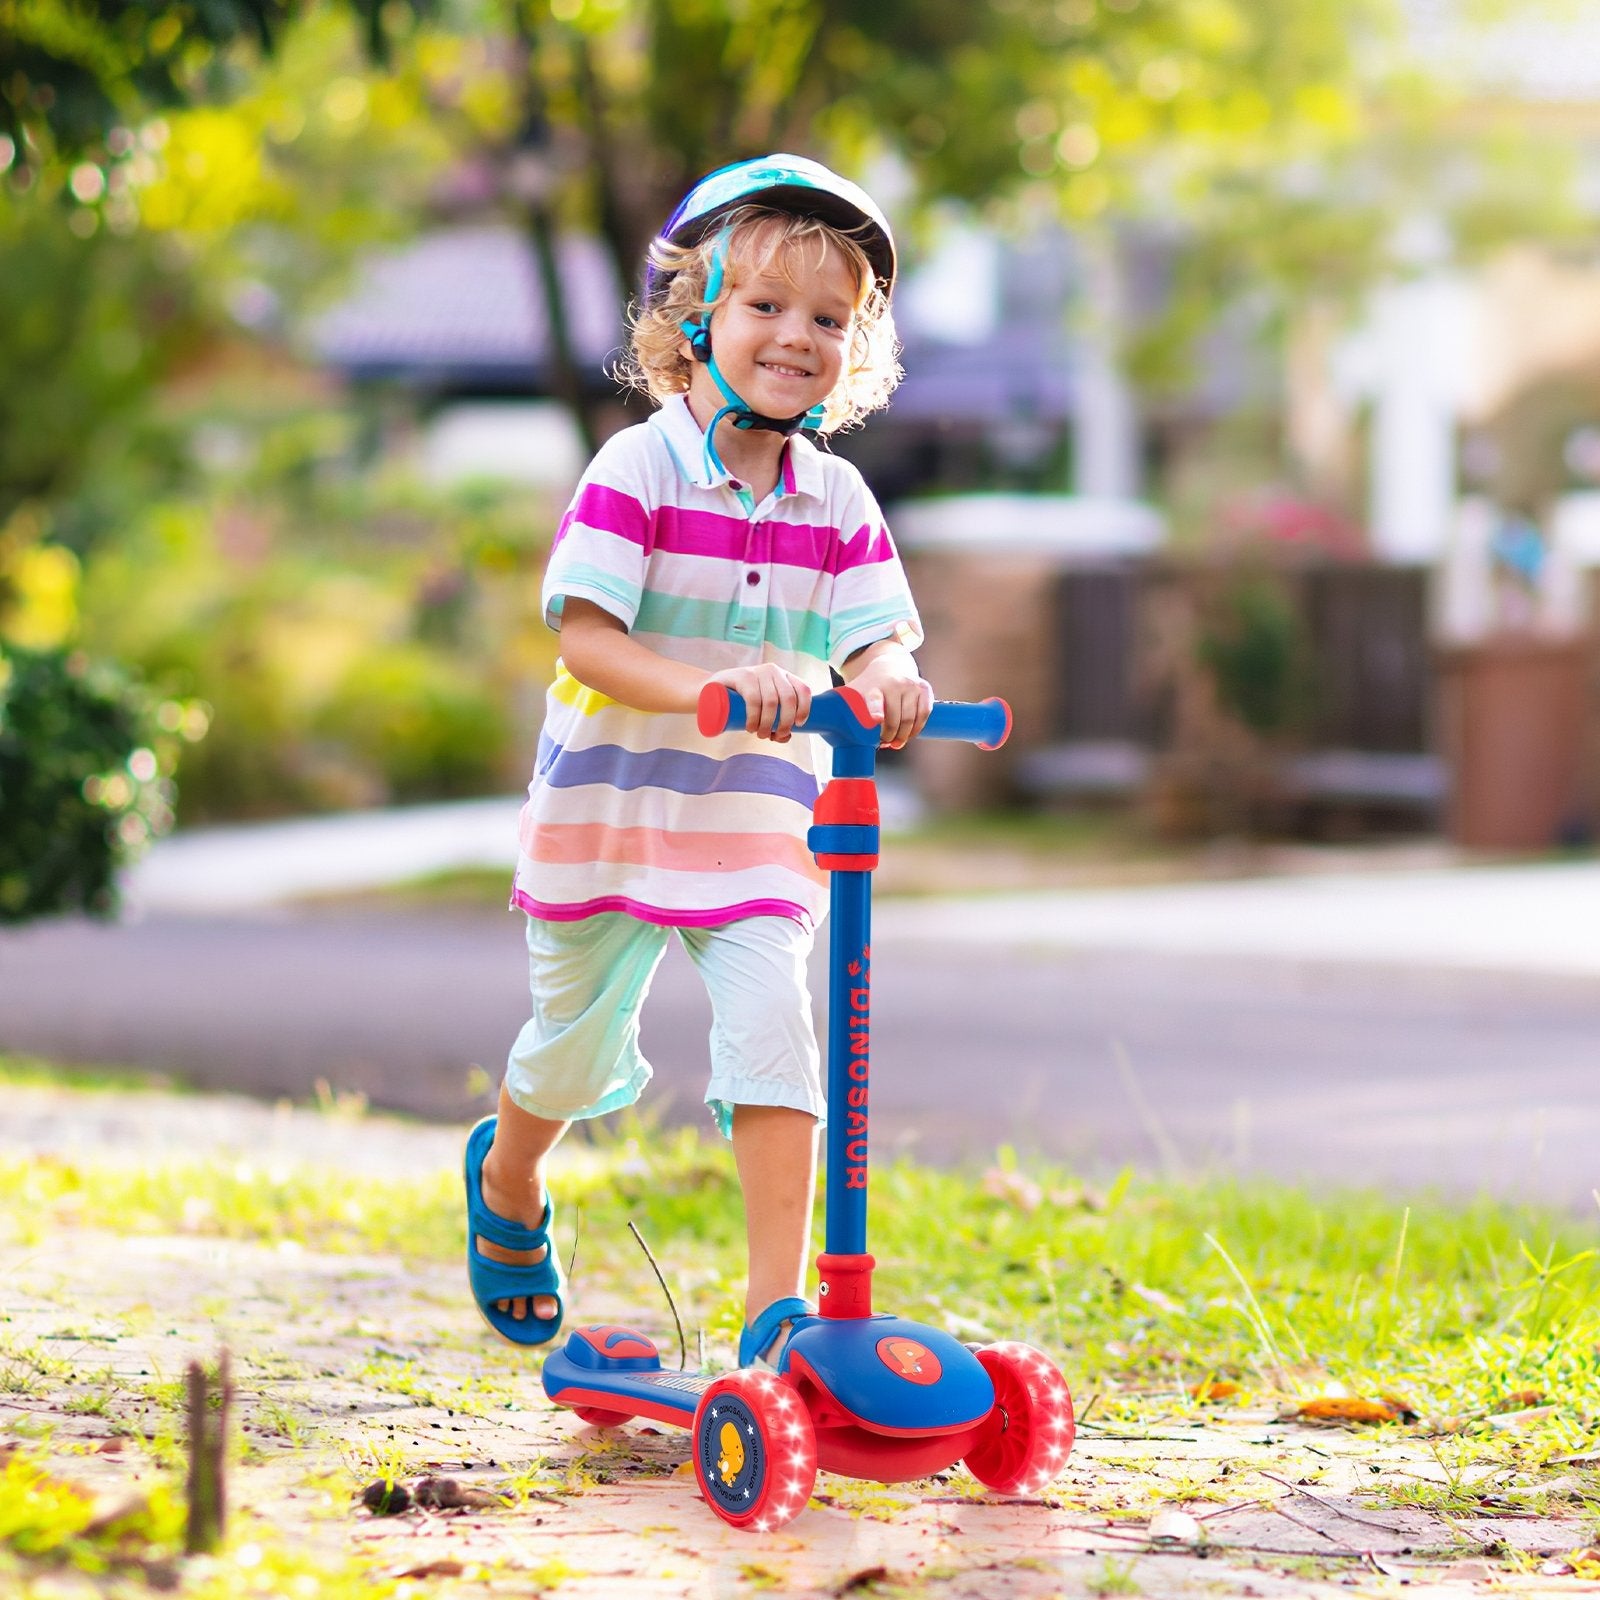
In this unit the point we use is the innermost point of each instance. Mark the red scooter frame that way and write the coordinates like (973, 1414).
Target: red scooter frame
(854, 1391)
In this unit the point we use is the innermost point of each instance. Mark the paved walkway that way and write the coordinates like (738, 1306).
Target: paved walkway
(252, 865)
(1538, 918)
(351, 1365)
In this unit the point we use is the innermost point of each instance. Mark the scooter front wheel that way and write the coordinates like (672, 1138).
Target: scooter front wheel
(1031, 1428)
(755, 1451)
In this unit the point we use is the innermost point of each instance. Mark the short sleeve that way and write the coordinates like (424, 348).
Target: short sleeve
(603, 541)
(871, 597)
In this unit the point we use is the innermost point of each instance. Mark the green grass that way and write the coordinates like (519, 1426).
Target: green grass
(29, 1072)
(478, 888)
(1142, 1291)
(51, 1526)
(49, 1519)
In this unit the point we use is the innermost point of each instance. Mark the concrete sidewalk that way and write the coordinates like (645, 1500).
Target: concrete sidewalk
(251, 865)
(1542, 918)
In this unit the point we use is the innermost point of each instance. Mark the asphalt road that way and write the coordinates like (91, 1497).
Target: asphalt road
(1324, 1072)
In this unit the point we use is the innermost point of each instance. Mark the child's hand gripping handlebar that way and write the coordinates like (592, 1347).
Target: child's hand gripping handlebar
(840, 716)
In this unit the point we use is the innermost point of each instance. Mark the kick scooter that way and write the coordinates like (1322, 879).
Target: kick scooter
(854, 1391)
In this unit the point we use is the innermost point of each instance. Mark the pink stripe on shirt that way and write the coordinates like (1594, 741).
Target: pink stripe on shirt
(680, 530)
(661, 916)
(597, 506)
(660, 849)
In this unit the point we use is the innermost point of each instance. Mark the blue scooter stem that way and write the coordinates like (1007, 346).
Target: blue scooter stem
(850, 851)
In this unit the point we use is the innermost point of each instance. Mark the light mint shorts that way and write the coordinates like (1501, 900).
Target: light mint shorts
(578, 1055)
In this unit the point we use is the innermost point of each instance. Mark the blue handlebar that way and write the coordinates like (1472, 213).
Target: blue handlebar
(839, 716)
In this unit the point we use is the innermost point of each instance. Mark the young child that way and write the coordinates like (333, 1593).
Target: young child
(713, 543)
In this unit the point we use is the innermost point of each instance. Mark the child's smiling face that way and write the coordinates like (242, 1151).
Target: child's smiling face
(782, 333)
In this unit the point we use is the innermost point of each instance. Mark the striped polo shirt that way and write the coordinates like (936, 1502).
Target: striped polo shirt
(635, 811)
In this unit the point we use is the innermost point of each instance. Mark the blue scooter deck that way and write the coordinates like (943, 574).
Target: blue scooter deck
(618, 1370)
(885, 1373)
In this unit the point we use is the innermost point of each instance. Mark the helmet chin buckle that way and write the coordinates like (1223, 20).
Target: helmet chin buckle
(784, 425)
(698, 333)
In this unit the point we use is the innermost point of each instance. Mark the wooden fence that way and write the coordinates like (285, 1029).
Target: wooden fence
(1364, 630)
(1103, 667)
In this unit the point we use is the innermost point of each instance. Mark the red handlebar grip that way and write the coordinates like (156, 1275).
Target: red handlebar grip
(711, 715)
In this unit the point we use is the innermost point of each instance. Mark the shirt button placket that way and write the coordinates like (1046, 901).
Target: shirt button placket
(751, 605)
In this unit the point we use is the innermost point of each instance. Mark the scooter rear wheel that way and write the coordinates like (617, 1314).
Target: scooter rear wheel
(755, 1451)
(599, 1417)
(1031, 1428)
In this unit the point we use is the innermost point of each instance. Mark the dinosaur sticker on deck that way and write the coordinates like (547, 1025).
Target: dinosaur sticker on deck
(907, 1359)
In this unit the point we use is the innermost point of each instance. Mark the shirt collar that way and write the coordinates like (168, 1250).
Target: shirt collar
(686, 442)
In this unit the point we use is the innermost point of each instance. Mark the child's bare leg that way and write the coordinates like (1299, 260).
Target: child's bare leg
(513, 1187)
(775, 1149)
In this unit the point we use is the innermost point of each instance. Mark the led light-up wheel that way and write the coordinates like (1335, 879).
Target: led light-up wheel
(1031, 1428)
(755, 1453)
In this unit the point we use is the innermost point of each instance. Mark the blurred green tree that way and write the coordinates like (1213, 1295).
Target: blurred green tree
(86, 759)
(1040, 108)
(87, 326)
(93, 313)
(77, 75)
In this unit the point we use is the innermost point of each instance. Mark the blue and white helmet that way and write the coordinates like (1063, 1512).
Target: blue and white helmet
(793, 184)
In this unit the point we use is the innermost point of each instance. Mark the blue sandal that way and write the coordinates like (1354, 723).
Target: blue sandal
(495, 1280)
(755, 1339)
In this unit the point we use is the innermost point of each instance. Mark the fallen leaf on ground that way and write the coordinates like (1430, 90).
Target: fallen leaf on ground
(1505, 1420)
(444, 1567)
(1584, 1563)
(1469, 1572)
(385, 1498)
(1520, 1400)
(862, 1579)
(1154, 1297)
(1170, 1524)
(1217, 1389)
(1351, 1408)
(109, 1509)
(445, 1494)
(1016, 1188)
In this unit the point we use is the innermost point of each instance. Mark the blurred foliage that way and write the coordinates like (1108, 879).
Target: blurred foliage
(87, 754)
(138, 253)
(87, 325)
(86, 759)
(127, 257)
(1062, 102)
(1252, 642)
(356, 638)
(1251, 155)
(419, 717)
(1528, 441)
(74, 74)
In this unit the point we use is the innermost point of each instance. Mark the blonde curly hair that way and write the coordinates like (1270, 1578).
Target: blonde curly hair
(756, 240)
